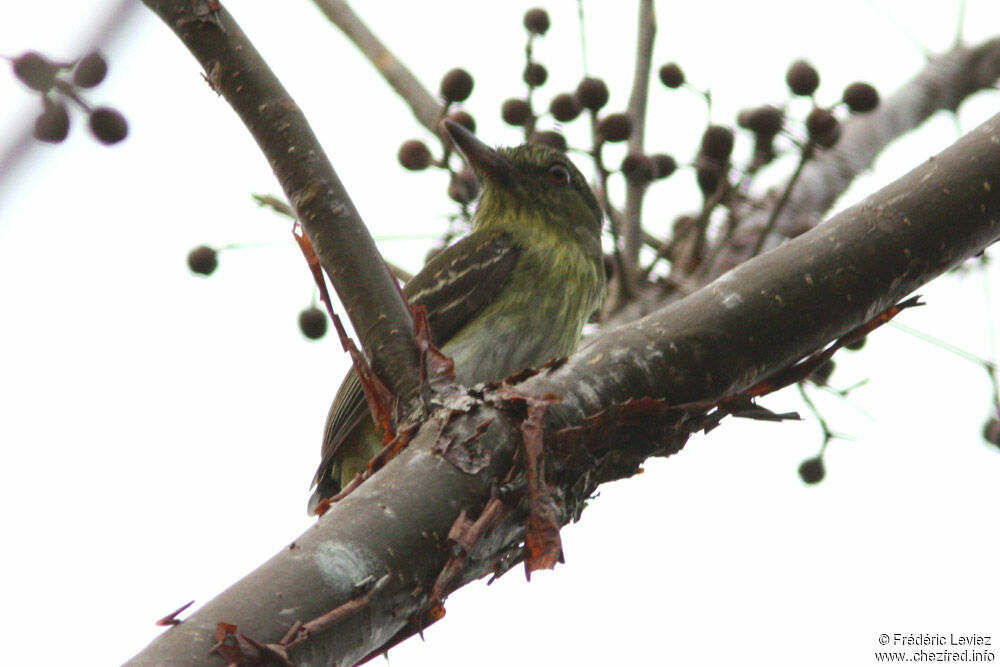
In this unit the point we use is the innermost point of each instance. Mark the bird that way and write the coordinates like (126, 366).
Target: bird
(512, 294)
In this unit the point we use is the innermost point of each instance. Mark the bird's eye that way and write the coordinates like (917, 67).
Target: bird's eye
(559, 174)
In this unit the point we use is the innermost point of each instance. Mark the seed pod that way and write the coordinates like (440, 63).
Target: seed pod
(802, 78)
(564, 107)
(671, 75)
(312, 323)
(456, 85)
(515, 111)
(615, 127)
(203, 260)
(108, 125)
(536, 21)
(861, 97)
(91, 70)
(414, 155)
(592, 93)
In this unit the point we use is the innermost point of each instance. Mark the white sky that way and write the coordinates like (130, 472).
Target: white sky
(158, 432)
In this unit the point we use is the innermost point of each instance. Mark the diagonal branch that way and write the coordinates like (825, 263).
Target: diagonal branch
(636, 391)
(421, 102)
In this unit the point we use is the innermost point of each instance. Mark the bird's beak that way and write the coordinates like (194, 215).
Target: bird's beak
(485, 161)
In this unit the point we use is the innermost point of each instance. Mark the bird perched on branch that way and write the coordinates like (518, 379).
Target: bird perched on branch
(512, 294)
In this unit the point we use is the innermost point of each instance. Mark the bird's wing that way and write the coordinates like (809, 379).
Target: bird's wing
(454, 287)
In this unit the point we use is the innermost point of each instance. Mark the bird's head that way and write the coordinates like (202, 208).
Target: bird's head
(529, 185)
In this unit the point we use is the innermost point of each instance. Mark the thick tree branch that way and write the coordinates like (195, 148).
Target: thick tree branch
(655, 378)
(346, 250)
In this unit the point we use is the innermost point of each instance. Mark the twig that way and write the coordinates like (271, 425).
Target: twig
(421, 102)
(634, 193)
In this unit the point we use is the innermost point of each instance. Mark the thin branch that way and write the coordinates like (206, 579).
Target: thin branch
(634, 192)
(422, 103)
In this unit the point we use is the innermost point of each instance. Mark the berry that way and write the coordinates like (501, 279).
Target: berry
(615, 127)
(717, 142)
(812, 471)
(414, 155)
(856, 345)
(821, 375)
(592, 93)
(802, 78)
(638, 168)
(861, 97)
(35, 71)
(108, 125)
(456, 85)
(663, 165)
(312, 323)
(564, 107)
(536, 21)
(203, 260)
(535, 74)
(823, 127)
(515, 111)
(991, 431)
(91, 70)
(463, 187)
(549, 138)
(464, 119)
(765, 120)
(671, 75)
(52, 125)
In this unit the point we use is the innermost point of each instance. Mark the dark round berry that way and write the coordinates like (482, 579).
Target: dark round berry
(861, 97)
(592, 93)
(671, 75)
(812, 471)
(414, 155)
(821, 375)
(536, 21)
(35, 70)
(663, 165)
(802, 78)
(515, 111)
(52, 125)
(549, 138)
(856, 345)
(823, 127)
(91, 70)
(463, 187)
(717, 142)
(535, 74)
(312, 323)
(615, 127)
(463, 118)
(203, 260)
(456, 85)
(991, 431)
(638, 168)
(564, 107)
(108, 125)
(766, 120)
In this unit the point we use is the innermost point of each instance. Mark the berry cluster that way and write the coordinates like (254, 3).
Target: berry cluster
(58, 83)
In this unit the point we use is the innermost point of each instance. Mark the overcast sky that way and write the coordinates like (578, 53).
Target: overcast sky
(158, 431)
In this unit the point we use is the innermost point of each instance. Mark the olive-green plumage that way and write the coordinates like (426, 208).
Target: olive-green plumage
(514, 293)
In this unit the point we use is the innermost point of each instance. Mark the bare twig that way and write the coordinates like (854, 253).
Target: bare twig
(634, 192)
(421, 102)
